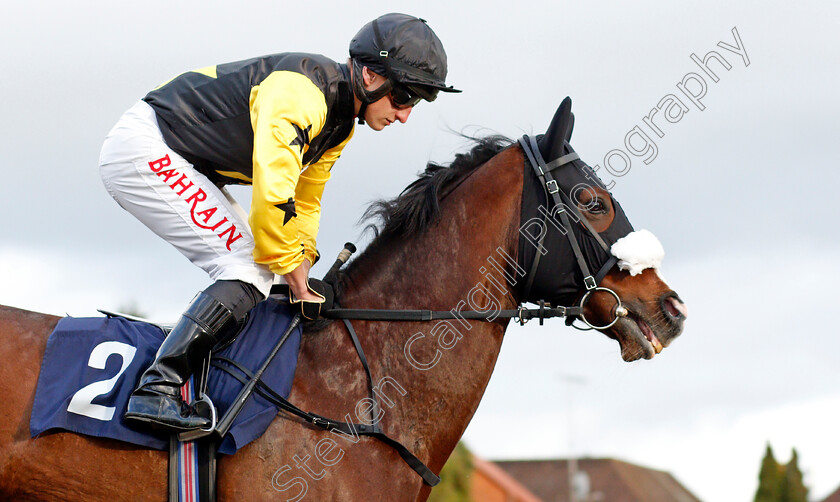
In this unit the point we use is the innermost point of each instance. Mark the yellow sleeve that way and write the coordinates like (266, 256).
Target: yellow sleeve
(287, 109)
(308, 197)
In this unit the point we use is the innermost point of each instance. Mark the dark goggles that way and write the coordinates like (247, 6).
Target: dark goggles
(403, 97)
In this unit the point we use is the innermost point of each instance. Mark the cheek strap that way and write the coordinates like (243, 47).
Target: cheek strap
(365, 96)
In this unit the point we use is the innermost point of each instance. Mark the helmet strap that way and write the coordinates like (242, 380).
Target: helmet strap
(365, 96)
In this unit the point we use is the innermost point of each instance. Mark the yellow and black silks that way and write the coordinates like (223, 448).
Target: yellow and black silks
(276, 122)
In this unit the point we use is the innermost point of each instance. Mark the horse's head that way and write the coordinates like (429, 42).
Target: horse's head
(579, 248)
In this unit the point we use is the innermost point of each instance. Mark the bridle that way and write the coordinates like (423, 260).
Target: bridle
(562, 202)
(544, 310)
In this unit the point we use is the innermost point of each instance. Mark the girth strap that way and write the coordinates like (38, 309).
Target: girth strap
(328, 424)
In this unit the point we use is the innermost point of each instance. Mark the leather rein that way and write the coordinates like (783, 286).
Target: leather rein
(521, 314)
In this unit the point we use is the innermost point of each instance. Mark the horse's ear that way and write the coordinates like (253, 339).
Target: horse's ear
(560, 130)
(571, 127)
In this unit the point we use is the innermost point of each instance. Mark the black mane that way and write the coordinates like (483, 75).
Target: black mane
(417, 207)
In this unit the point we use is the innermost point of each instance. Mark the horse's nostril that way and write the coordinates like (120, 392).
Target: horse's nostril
(675, 308)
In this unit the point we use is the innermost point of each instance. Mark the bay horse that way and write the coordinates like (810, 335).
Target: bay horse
(432, 252)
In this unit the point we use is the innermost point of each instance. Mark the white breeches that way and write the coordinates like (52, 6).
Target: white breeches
(182, 206)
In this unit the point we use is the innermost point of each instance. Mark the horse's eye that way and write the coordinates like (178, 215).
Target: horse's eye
(596, 206)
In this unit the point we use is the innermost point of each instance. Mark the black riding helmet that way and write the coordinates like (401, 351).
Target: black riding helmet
(405, 50)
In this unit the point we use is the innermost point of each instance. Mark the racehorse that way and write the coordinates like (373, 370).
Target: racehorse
(435, 250)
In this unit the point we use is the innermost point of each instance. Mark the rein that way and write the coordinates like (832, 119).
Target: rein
(328, 424)
(543, 171)
(521, 314)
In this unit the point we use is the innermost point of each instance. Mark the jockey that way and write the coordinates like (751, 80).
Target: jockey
(278, 123)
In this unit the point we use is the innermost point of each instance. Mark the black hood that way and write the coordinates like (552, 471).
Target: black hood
(558, 279)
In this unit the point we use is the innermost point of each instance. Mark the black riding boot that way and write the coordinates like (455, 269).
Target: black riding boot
(157, 399)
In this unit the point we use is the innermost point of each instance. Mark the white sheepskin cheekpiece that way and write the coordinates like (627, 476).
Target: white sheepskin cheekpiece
(637, 251)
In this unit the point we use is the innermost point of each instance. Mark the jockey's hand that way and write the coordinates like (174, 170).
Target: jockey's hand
(322, 294)
(297, 280)
(312, 295)
(324, 290)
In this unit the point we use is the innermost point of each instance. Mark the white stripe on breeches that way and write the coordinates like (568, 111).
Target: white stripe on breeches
(182, 206)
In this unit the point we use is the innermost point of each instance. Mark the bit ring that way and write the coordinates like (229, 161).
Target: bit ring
(620, 310)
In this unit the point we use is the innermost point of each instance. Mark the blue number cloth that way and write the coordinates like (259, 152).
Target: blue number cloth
(91, 365)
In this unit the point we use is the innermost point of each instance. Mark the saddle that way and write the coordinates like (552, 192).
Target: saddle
(239, 379)
(193, 454)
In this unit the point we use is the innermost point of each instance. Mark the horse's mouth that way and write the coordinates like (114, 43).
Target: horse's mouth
(636, 338)
(648, 333)
(639, 340)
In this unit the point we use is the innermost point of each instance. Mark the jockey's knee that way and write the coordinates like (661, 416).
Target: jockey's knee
(238, 296)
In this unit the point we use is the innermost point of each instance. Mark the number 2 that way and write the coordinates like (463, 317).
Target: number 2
(82, 401)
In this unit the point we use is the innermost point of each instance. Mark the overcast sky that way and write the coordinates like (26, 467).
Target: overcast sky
(741, 194)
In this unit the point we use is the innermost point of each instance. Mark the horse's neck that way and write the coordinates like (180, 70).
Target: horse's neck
(444, 366)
